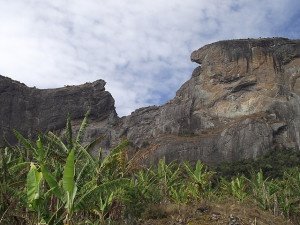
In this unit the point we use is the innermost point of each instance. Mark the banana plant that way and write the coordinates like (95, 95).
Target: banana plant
(69, 185)
(104, 204)
(262, 190)
(199, 176)
(238, 188)
(13, 172)
(5, 159)
(167, 175)
(289, 195)
(34, 194)
(180, 194)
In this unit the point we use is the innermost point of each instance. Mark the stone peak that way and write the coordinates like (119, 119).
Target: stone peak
(232, 50)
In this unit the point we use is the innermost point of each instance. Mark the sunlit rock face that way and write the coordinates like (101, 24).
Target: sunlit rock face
(245, 76)
(242, 100)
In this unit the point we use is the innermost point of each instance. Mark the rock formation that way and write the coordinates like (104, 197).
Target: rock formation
(30, 110)
(241, 101)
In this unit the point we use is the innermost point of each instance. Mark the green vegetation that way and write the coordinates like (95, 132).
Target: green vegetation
(273, 164)
(54, 180)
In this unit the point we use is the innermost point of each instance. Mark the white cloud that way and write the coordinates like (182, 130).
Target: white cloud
(141, 48)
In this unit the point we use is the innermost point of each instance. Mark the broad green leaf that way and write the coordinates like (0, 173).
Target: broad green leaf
(96, 190)
(82, 127)
(94, 143)
(82, 172)
(51, 181)
(33, 184)
(55, 139)
(25, 142)
(83, 151)
(18, 167)
(69, 132)
(40, 150)
(69, 173)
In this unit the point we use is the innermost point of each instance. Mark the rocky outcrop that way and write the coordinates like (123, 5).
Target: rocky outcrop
(31, 110)
(241, 101)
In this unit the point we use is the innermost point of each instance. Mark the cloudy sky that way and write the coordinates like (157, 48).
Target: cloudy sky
(141, 48)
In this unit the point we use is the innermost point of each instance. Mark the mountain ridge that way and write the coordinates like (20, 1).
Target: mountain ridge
(241, 101)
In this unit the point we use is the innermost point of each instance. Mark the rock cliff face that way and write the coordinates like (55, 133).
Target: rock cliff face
(30, 110)
(242, 100)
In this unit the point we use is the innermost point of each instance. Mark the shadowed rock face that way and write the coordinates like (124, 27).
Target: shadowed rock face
(30, 110)
(241, 101)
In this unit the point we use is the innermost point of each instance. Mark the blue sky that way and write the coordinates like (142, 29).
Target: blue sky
(140, 48)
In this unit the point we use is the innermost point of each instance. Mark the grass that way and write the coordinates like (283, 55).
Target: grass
(54, 180)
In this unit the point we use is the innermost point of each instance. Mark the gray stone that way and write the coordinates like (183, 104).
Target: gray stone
(31, 110)
(240, 103)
